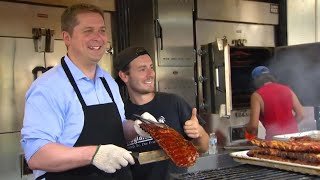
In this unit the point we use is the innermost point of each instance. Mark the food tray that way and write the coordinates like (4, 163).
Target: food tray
(242, 157)
(315, 134)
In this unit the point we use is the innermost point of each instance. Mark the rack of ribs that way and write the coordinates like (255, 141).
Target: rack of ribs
(302, 150)
(300, 157)
(292, 145)
(181, 151)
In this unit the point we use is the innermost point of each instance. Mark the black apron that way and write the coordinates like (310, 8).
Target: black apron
(102, 125)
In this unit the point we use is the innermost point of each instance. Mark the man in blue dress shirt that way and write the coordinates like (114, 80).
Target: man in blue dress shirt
(74, 112)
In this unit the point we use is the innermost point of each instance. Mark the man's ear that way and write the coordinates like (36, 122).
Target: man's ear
(123, 76)
(66, 37)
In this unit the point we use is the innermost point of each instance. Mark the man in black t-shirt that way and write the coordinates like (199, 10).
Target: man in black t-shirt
(135, 68)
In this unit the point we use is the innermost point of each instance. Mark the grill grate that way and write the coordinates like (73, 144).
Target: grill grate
(244, 172)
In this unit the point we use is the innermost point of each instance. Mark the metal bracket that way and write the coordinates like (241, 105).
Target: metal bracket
(43, 39)
(202, 79)
(203, 105)
(201, 52)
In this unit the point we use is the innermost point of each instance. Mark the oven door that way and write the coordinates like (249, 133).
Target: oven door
(216, 72)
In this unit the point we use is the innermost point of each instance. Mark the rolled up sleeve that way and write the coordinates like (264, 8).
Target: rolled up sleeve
(42, 124)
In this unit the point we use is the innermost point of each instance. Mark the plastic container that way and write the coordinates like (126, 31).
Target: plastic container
(213, 144)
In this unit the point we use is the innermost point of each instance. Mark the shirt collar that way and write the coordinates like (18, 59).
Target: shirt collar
(77, 73)
(99, 72)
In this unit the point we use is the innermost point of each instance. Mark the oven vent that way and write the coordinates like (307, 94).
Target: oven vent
(243, 172)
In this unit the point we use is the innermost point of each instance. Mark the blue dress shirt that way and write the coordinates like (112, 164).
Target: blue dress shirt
(53, 112)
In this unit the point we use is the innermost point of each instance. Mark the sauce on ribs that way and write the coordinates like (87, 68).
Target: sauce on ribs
(181, 151)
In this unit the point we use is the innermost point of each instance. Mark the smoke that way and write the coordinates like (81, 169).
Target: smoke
(299, 68)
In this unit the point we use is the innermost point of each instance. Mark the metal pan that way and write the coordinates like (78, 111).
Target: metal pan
(313, 134)
(242, 157)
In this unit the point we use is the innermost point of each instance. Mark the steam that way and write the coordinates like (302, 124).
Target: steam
(299, 68)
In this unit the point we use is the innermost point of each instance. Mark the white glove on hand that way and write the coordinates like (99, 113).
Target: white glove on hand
(109, 158)
(137, 123)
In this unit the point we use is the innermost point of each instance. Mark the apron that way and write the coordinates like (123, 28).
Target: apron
(102, 125)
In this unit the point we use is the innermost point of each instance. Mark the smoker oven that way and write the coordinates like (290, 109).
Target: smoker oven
(227, 72)
(243, 61)
(224, 74)
(227, 87)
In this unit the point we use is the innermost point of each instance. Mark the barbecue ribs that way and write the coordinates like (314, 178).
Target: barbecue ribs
(182, 152)
(292, 145)
(302, 150)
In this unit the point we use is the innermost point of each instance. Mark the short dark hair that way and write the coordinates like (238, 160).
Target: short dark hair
(69, 17)
(262, 79)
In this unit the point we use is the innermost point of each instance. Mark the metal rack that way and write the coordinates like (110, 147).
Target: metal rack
(243, 172)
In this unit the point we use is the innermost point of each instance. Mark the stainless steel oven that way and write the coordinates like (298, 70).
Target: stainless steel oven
(227, 86)
(246, 31)
(226, 75)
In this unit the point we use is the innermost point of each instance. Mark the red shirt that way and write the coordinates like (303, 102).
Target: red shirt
(277, 117)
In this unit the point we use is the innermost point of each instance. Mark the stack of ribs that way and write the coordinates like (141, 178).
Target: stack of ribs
(182, 152)
(301, 150)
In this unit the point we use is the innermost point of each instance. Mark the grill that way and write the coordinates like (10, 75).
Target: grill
(243, 172)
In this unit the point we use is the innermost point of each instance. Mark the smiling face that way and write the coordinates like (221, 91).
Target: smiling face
(87, 42)
(140, 77)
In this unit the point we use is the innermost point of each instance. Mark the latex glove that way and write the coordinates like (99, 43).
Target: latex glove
(109, 158)
(137, 123)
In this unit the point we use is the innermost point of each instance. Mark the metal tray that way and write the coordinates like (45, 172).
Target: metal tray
(242, 157)
(239, 147)
(315, 134)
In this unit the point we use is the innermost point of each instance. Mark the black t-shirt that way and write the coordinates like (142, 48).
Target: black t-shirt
(175, 111)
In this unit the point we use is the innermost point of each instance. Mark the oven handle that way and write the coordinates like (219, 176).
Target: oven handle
(158, 32)
(218, 79)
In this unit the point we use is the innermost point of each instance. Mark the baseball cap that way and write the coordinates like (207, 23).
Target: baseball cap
(258, 71)
(127, 55)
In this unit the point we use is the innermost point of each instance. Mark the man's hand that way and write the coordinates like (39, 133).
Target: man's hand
(192, 127)
(109, 158)
(137, 123)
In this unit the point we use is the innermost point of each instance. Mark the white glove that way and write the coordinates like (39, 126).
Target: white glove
(109, 158)
(137, 123)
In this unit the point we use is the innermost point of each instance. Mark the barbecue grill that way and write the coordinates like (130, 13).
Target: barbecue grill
(244, 172)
